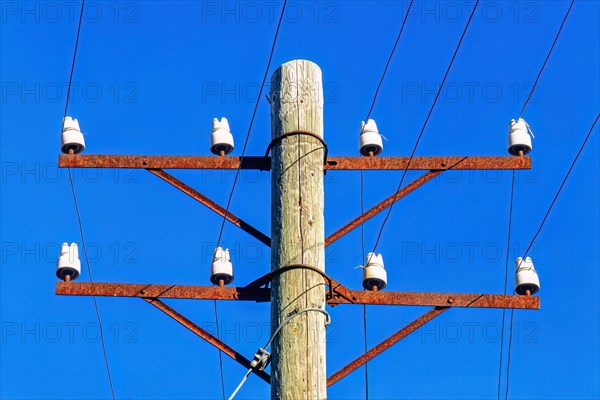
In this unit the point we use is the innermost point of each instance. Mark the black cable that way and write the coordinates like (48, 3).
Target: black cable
(237, 172)
(74, 58)
(561, 186)
(389, 61)
(87, 262)
(537, 233)
(219, 351)
(547, 57)
(362, 211)
(512, 315)
(72, 184)
(362, 230)
(424, 125)
(544, 219)
(366, 349)
(510, 214)
(362, 242)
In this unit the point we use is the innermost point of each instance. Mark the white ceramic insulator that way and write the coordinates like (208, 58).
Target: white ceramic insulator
(526, 277)
(374, 273)
(221, 268)
(68, 262)
(221, 138)
(519, 138)
(369, 139)
(71, 137)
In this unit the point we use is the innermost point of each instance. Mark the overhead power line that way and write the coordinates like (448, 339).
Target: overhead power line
(362, 228)
(424, 125)
(387, 64)
(237, 173)
(72, 185)
(510, 215)
(74, 58)
(258, 98)
(546, 59)
(89, 270)
(538, 232)
(561, 186)
(510, 218)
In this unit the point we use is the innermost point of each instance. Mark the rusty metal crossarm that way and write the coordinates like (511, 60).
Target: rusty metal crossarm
(162, 291)
(193, 193)
(162, 162)
(436, 299)
(342, 295)
(428, 163)
(264, 163)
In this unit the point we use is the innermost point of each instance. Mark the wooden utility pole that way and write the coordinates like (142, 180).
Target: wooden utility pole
(297, 276)
(297, 226)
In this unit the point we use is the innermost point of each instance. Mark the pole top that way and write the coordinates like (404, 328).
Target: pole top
(301, 61)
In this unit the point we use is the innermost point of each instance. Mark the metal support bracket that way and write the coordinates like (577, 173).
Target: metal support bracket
(208, 337)
(193, 193)
(355, 223)
(386, 344)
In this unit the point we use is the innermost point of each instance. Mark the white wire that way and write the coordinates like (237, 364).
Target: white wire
(237, 389)
(285, 321)
(294, 315)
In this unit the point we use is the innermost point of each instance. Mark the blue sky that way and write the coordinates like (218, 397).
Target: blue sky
(149, 78)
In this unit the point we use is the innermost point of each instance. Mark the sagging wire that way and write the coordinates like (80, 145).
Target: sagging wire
(262, 357)
(362, 240)
(237, 172)
(536, 235)
(546, 59)
(362, 232)
(424, 125)
(387, 64)
(258, 98)
(510, 214)
(526, 252)
(80, 224)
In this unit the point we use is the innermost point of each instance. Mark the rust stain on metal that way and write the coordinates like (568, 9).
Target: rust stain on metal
(381, 206)
(208, 337)
(439, 299)
(386, 344)
(163, 291)
(193, 193)
(428, 163)
(162, 162)
(341, 295)
(264, 163)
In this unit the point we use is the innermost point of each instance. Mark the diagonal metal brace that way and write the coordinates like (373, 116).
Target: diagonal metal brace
(208, 337)
(381, 206)
(386, 344)
(193, 193)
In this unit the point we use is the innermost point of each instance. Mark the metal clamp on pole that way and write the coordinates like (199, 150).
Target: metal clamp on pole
(296, 133)
(336, 289)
